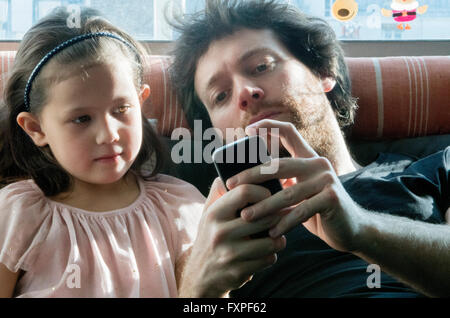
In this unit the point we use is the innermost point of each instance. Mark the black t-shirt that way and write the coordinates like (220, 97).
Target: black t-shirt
(394, 184)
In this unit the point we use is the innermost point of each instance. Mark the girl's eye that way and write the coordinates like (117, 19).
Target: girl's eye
(122, 109)
(82, 119)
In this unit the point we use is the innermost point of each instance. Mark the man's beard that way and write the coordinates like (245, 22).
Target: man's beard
(314, 119)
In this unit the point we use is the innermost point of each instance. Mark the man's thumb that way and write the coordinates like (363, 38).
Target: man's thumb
(217, 190)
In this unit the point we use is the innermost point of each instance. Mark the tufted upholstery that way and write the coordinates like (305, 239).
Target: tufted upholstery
(399, 97)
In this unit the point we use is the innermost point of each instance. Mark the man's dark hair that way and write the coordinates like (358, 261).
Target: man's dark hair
(310, 39)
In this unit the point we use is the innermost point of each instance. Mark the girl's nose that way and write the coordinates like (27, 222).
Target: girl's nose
(107, 132)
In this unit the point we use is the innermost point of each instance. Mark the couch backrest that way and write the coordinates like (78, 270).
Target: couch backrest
(399, 97)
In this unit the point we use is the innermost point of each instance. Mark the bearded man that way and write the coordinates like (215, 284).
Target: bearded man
(262, 64)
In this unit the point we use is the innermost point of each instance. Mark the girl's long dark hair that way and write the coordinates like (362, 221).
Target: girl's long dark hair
(20, 158)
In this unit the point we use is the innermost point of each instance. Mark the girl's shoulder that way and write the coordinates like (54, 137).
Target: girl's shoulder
(21, 193)
(174, 199)
(173, 187)
(24, 223)
(178, 206)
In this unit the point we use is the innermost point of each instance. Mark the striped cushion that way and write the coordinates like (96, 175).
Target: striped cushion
(399, 97)
(163, 103)
(7, 61)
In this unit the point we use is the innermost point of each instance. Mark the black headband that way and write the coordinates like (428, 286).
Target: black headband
(61, 47)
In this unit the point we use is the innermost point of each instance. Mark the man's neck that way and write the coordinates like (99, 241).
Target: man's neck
(327, 139)
(344, 163)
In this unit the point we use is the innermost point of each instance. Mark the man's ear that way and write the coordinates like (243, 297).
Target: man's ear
(328, 84)
(32, 126)
(144, 93)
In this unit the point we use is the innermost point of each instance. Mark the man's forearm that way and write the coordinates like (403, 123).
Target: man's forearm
(416, 253)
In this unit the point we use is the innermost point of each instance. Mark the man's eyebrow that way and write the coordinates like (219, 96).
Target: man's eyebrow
(212, 81)
(257, 51)
(247, 55)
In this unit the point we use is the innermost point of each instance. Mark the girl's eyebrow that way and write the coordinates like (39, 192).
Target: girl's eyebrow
(79, 109)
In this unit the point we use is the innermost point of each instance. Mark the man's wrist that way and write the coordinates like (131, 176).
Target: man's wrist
(365, 231)
(201, 291)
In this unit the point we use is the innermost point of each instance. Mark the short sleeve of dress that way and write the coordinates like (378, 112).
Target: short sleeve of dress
(24, 224)
(182, 207)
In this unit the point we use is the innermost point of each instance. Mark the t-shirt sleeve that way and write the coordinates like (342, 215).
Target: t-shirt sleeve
(24, 223)
(435, 169)
(404, 186)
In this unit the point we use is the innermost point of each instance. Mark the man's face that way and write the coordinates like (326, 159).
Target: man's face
(250, 75)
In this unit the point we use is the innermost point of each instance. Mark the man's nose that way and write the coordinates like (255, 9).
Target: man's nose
(249, 96)
(107, 131)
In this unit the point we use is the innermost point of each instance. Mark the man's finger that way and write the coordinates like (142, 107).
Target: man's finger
(289, 136)
(239, 228)
(287, 168)
(217, 190)
(300, 214)
(227, 206)
(259, 248)
(286, 198)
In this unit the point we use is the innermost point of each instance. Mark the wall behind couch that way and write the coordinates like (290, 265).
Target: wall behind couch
(361, 48)
(351, 48)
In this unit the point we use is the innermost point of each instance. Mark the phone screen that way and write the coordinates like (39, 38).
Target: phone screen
(241, 155)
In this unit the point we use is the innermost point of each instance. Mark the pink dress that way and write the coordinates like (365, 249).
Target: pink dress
(68, 252)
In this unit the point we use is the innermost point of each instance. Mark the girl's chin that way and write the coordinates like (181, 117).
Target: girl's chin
(104, 177)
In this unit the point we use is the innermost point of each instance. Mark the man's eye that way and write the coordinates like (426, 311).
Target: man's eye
(221, 97)
(81, 119)
(267, 65)
(261, 68)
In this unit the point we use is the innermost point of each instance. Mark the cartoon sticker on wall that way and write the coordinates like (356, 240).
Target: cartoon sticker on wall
(344, 10)
(404, 11)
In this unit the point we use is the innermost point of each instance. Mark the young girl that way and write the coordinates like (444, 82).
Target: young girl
(78, 217)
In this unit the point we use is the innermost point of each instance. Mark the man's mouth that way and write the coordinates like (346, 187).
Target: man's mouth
(264, 115)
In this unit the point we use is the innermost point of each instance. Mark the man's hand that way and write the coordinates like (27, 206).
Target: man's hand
(223, 257)
(312, 193)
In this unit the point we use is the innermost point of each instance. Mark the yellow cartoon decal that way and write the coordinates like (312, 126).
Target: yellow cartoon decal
(404, 11)
(344, 10)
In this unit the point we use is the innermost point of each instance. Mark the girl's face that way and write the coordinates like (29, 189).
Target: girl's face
(92, 122)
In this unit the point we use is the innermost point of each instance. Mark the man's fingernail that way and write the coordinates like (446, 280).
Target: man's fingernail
(283, 241)
(231, 183)
(273, 233)
(247, 215)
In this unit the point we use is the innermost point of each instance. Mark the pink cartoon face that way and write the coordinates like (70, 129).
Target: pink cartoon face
(404, 11)
(403, 1)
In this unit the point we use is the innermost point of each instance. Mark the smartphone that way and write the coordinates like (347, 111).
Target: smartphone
(241, 155)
